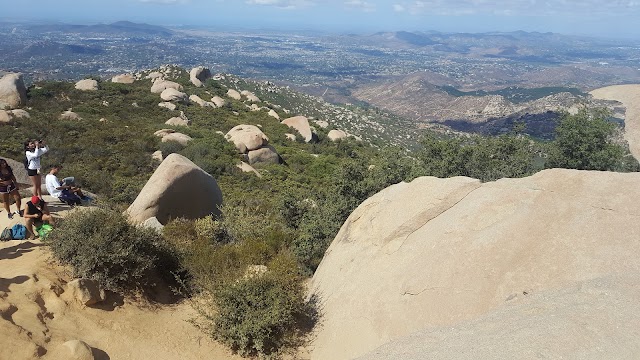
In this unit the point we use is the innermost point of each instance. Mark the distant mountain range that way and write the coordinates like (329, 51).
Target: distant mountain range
(120, 27)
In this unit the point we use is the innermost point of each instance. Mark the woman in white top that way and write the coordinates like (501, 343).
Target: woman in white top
(33, 151)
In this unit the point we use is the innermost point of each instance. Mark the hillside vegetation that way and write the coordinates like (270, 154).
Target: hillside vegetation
(284, 220)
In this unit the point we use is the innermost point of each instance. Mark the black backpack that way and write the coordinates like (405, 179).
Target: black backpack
(6, 234)
(26, 163)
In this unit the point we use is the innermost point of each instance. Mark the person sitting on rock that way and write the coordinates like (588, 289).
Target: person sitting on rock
(65, 191)
(9, 186)
(36, 213)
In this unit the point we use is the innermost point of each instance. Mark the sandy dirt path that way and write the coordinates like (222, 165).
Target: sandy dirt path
(36, 315)
(629, 96)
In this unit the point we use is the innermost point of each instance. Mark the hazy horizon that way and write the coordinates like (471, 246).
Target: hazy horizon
(608, 19)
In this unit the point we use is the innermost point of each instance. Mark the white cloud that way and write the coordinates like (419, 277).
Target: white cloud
(361, 4)
(398, 8)
(283, 4)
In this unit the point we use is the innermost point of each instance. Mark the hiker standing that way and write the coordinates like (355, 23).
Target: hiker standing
(9, 186)
(33, 150)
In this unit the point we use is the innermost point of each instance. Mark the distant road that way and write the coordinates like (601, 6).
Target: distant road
(629, 96)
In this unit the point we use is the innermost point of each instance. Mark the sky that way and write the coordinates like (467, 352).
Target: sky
(612, 18)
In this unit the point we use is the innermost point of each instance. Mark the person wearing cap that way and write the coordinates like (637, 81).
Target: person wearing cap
(36, 212)
(66, 191)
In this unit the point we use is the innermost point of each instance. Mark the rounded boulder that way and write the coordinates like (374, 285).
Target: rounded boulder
(178, 188)
(13, 93)
(247, 137)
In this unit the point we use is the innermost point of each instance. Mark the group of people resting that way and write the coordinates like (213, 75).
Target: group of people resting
(36, 212)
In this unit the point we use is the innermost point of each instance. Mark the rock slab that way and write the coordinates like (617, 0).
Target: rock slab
(86, 291)
(436, 253)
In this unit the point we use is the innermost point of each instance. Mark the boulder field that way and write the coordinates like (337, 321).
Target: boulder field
(540, 267)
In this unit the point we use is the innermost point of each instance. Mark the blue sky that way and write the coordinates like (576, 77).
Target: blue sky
(590, 17)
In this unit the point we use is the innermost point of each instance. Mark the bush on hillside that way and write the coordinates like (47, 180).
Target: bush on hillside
(101, 244)
(587, 141)
(261, 313)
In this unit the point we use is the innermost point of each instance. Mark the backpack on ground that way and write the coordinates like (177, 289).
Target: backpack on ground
(6, 234)
(19, 232)
(44, 230)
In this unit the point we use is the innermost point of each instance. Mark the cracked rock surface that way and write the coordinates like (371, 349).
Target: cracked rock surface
(441, 253)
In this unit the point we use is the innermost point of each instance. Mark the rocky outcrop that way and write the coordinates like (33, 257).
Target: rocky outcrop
(247, 138)
(264, 155)
(218, 101)
(20, 114)
(250, 96)
(178, 121)
(274, 114)
(248, 168)
(5, 117)
(198, 100)
(300, 124)
(199, 75)
(234, 94)
(323, 124)
(72, 350)
(178, 188)
(444, 256)
(85, 291)
(174, 95)
(154, 75)
(69, 115)
(180, 138)
(19, 172)
(335, 135)
(161, 85)
(13, 93)
(168, 105)
(123, 79)
(157, 155)
(87, 85)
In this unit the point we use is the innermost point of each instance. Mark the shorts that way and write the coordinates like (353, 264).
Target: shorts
(32, 172)
(8, 189)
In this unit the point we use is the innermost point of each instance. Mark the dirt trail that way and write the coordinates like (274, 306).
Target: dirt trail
(36, 316)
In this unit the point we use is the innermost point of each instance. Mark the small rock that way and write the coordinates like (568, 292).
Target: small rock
(72, 350)
(168, 105)
(86, 291)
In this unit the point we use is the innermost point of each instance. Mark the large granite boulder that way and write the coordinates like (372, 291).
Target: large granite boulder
(123, 79)
(199, 75)
(178, 188)
(180, 138)
(161, 85)
(458, 261)
(300, 124)
(218, 101)
(13, 93)
(264, 155)
(234, 94)
(247, 138)
(171, 94)
(19, 172)
(335, 135)
(87, 85)
(274, 114)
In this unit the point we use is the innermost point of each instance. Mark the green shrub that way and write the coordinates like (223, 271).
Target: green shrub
(101, 244)
(260, 314)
